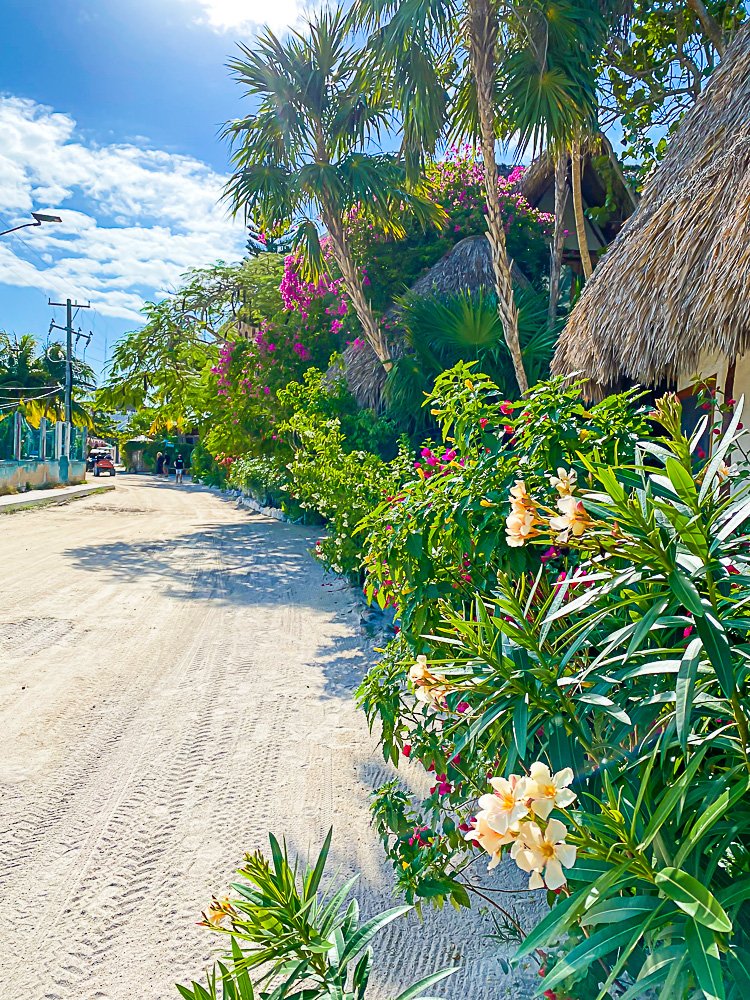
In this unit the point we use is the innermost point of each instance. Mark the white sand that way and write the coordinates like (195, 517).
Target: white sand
(175, 680)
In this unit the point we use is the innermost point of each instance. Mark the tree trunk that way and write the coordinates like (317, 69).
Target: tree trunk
(352, 280)
(710, 25)
(558, 239)
(583, 244)
(482, 30)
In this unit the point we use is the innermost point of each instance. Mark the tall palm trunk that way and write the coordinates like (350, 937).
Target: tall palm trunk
(482, 32)
(353, 285)
(558, 239)
(583, 243)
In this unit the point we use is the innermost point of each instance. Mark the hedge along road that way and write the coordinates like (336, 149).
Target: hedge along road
(176, 678)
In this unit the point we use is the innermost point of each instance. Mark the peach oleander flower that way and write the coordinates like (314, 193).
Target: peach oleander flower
(506, 804)
(725, 472)
(573, 519)
(218, 911)
(521, 523)
(429, 688)
(490, 840)
(419, 674)
(548, 791)
(543, 853)
(564, 482)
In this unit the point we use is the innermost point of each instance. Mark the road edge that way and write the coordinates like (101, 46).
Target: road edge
(30, 503)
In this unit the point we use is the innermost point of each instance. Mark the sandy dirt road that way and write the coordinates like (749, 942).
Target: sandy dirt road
(175, 680)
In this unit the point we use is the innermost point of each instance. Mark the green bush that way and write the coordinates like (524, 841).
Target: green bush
(626, 672)
(290, 941)
(437, 536)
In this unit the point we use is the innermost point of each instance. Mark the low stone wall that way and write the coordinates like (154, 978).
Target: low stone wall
(33, 474)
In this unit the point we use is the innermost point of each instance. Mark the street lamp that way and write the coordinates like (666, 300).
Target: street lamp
(38, 217)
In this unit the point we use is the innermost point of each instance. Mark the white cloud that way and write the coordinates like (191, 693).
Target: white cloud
(245, 15)
(134, 219)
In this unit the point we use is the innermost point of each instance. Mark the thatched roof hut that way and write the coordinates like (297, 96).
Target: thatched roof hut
(468, 265)
(671, 298)
(608, 198)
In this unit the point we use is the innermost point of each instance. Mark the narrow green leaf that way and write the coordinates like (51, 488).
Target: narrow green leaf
(313, 879)
(718, 650)
(705, 820)
(603, 942)
(520, 727)
(243, 979)
(686, 592)
(412, 993)
(693, 898)
(368, 930)
(703, 955)
(684, 689)
(612, 911)
(682, 481)
(670, 800)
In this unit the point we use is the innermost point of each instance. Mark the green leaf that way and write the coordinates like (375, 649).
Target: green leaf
(412, 993)
(703, 824)
(671, 799)
(241, 974)
(718, 650)
(607, 705)
(601, 943)
(554, 924)
(520, 727)
(693, 898)
(313, 879)
(735, 893)
(368, 930)
(739, 965)
(704, 957)
(686, 592)
(684, 689)
(612, 911)
(682, 481)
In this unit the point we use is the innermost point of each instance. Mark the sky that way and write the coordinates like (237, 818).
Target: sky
(109, 117)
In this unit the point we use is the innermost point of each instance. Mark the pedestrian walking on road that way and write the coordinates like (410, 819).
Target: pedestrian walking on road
(166, 465)
(159, 463)
(179, 468)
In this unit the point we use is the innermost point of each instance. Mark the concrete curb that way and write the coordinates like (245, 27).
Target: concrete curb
(18, 502)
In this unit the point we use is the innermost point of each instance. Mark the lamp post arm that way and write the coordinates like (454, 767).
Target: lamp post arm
(24, 226)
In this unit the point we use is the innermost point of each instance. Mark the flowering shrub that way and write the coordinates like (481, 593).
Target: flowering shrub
(436, 537)
(283, 926)
(627, 676)
(248, 375)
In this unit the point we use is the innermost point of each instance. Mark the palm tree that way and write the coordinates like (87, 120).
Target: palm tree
(442, 52)
(303, 156)
(549, 91)
(440, 331)
(32, 380)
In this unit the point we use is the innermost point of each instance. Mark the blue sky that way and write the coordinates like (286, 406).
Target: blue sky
(109, 113)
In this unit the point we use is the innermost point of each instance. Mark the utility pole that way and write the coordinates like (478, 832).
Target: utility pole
(68, 328)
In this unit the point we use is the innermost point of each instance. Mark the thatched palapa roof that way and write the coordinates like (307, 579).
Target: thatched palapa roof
(675, 284)
(468, 265)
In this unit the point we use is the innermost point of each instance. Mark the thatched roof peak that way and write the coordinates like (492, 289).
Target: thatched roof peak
(675, 284)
